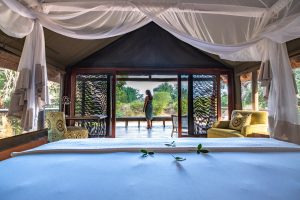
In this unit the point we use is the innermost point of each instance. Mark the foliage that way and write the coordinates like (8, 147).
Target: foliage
(247, 96)
(54, 93)
(8, 80)
(263, 103)
(297, 80)
(160, 102)
(172, 144)
(145, 153)
(137, 107)
(166, 87)
(184, 106)
(224, 94)
(127, 94)
(164, 100)
(178, 159)
(10, 126)
(200, 149)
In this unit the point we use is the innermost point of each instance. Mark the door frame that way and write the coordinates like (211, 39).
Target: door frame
(114, 71)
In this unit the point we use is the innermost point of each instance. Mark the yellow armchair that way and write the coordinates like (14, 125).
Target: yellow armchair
(258, 125)
(57, 129)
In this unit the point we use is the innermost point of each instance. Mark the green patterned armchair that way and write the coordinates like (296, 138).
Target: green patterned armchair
(57, 129)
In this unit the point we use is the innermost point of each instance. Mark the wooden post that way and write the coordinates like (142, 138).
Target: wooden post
(108, 108)
(73, 94)
(219, 113)
(179, 106)
(83, 107)
(232, 93)
(113, 106)
(238, 92)
(254, 91)
(190, 106)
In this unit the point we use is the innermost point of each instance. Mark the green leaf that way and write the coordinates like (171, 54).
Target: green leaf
(199, 146)
(180, 159)
(144, 151)
(151, 153)
(145, 155)
(172, 144)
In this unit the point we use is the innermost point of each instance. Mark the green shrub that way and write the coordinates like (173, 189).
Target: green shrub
(137, 107)
(184, 106)
(160, 102)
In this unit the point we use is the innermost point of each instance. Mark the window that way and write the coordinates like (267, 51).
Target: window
(9, 126)
(297, 80)
(54, 96)
(246, 91)
(224, 96)
(262, 101)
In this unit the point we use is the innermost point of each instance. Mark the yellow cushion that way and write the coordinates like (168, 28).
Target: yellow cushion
(74, 132)
(221, 133)
(239, 121)
(55, 122)
(257, 117)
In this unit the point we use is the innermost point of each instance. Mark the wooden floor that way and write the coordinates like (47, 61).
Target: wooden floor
(133, 131)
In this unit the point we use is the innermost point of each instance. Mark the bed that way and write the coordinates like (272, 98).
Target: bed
(248, 168)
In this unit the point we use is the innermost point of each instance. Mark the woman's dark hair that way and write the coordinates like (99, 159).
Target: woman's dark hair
(148, 93)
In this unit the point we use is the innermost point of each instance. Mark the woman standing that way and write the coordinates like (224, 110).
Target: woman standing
(148, 109)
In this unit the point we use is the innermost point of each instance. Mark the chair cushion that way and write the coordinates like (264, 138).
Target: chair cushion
(257, 117)
(238, 121)
(221, 133)
(55, 122)
(74, 132)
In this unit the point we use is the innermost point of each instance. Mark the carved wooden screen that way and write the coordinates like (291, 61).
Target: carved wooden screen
(93, 98)
(91, 94)
(204, 98)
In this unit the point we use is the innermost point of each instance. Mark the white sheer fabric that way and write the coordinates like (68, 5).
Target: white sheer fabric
(13, 24)
(31, 91)
(238, 30)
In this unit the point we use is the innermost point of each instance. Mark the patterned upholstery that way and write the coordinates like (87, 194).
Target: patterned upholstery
(57, 130)
(76, 132)
(238, 121)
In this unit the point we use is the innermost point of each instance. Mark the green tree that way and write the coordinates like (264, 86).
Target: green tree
(160, 102)
(127, 94)
(132, 94)
(297, 80)
(8, 79)
(54, 93)
(167, 87)
(246, 94)
(184, 106)
(137, 107)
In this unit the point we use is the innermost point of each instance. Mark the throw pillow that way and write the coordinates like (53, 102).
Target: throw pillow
(239, 121)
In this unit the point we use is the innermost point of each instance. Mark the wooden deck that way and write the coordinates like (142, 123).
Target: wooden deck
(162, 119)
(133, 131)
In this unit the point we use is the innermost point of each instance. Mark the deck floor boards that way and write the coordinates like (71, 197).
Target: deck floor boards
(133, 131)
